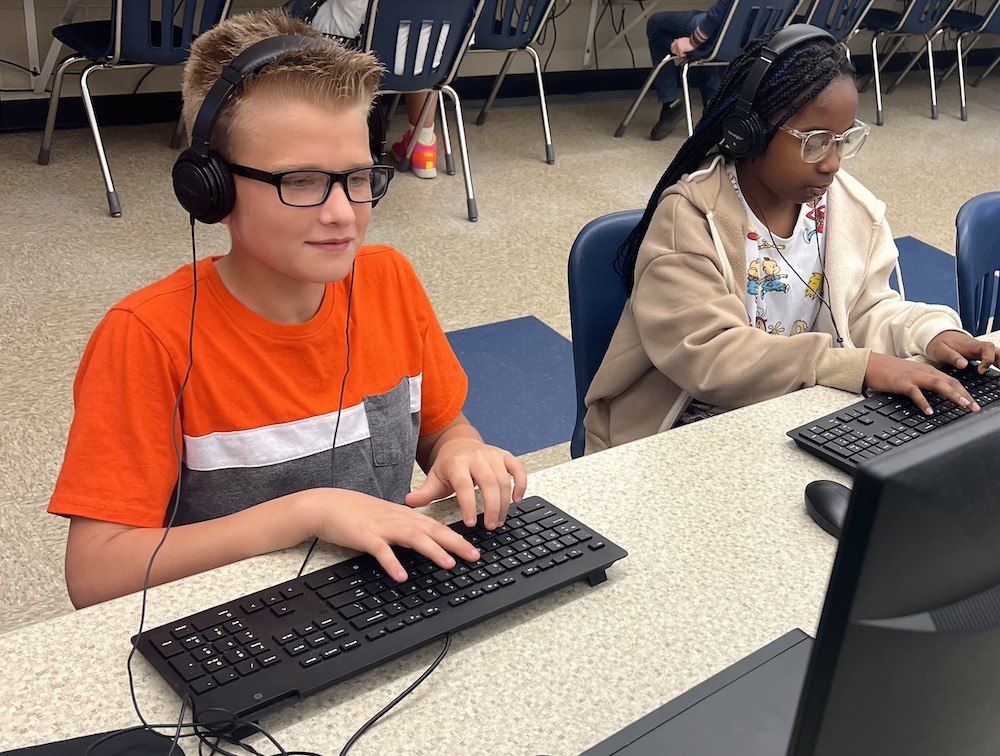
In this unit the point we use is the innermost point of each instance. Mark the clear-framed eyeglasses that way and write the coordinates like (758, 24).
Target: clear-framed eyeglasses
(311, 188)
(816, 145)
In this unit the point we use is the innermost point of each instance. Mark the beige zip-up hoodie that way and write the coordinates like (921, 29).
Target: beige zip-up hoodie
(684, 332)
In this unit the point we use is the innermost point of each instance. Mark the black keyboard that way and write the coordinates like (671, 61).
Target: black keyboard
(882, 422)
(264, 651)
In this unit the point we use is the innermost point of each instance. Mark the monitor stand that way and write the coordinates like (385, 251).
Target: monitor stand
(748, 708)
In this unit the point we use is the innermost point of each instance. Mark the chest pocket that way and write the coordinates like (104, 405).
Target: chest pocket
(390, 421)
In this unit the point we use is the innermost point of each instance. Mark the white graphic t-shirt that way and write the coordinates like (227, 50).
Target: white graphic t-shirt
(784, 285)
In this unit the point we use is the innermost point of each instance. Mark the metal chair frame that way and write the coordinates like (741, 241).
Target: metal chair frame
(752, 29)
(930, 32)
(111, 62)
(440, 88)
(482, 33)
(990, 25)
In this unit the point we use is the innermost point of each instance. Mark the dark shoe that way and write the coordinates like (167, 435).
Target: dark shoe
(670, 114)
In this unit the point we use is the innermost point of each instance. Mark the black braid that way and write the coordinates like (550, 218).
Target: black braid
(803, 72)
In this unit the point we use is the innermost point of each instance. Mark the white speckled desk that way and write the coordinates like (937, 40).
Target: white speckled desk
(722, 559)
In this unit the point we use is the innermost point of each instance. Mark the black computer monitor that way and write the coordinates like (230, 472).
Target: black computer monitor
(906, 660)
(907, 655)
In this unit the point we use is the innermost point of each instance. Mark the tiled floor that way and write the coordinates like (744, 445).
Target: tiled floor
(65, 261)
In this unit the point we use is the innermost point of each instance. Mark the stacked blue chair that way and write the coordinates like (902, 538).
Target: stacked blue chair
(596, 300)
(747, 20)
(977, 262)
(923, 18)
(512, 26)
(420, 66)
(841, 18)
(131, 38)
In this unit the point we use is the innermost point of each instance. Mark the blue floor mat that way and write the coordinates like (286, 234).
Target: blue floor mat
(928, 273)
(521, 395)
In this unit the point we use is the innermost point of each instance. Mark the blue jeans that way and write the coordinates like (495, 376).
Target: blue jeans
(662, 29)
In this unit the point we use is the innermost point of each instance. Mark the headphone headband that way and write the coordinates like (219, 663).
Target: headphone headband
(743, 134)
(232, 77)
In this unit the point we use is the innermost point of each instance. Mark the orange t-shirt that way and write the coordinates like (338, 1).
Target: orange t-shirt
(260, 410)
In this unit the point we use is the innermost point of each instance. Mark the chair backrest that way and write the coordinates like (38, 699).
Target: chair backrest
(991, 22)
(977, 260)
(839, 17)
(420, 43)
(148, 31)
(923, 16)
(596, 299)
(747, 20)
(510, 24)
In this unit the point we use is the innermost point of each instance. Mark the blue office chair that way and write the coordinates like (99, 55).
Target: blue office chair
(425, 67)
(596, 299)
(977, 262)
(923, 18)
(512, 26)
(747, 20)
(131, 38)
(968, 24)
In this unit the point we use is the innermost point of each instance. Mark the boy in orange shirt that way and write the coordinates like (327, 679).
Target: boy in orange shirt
(319, 371)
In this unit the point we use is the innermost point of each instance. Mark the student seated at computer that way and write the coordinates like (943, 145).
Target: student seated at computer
(765, 268)
(272, 363)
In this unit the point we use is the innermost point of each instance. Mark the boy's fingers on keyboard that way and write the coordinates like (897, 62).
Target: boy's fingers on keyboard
(465, 492)
(386, 557)
(486, 478)
(453, 542)
(520, 475)
(504, 483)
(430, 548)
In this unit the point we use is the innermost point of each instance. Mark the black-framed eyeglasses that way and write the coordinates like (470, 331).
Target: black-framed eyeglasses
(311, 188)
(816, 145)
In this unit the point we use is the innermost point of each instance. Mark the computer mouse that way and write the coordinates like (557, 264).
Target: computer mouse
(826, 503)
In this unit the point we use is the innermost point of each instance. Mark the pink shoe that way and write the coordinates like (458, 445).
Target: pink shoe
(423, 162)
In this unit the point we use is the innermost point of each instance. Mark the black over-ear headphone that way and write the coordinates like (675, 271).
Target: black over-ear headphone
(744, 134)
(203, 182)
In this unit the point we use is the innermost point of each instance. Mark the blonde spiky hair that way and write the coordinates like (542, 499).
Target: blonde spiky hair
(327, 74)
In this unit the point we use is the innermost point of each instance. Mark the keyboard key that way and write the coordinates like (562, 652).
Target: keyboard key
(296, 648)
(282, 638)
(214, 664)
(310, 660)
(169, 648)
(204, 684)
(225, 676)
(367, 620)
(235, 655)
(248, 667)
(321, 578)
(187, 668)
(350, 645)
(282, 610)
(319, 639)
(596, 545)
(303, 630)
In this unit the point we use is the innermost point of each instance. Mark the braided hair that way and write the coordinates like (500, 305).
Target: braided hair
(789, 85)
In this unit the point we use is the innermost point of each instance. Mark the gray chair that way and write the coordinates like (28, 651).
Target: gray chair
(747, 20)
(134, 37)
(425, 67)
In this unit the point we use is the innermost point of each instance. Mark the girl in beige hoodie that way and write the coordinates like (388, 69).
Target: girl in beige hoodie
(775, 227)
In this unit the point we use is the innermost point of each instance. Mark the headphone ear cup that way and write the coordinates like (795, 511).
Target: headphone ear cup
(204, 186)
(743, 136)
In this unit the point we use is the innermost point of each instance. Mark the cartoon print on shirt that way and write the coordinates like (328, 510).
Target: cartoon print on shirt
(818, 216)
(772, 277)
(799, 326)
(753, 278)
(815, 286)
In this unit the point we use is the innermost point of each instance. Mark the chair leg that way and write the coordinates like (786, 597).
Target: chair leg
(954, 66)
(623, 126)
(485, 111)
(470, 196)
(114, 205)
(177, 140)
(550, 152)
(890, 50)
(687, 98)
(391, 110)
(449, 158)
(44, 151)
(930, 72)
(425, 112)
(986, 73)
(961, 74)
(879, 115)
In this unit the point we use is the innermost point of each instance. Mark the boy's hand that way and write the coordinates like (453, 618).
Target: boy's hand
(464, 463)
(682, 46)
(365, 523)
(956, 348)
(906, 377)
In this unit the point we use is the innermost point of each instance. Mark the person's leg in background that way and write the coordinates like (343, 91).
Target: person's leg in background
(661, 30)
(423, 162)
